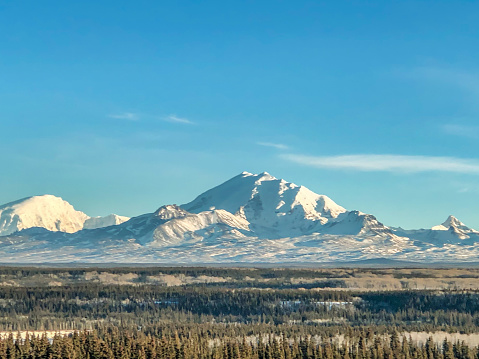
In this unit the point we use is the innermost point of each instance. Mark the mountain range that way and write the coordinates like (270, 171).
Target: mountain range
(251, 218)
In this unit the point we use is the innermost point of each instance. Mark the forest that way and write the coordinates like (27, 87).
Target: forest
(251, 313)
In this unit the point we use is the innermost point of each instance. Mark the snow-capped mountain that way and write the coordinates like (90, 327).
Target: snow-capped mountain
(49, 212)
(451, 231)
(249, 218)
(272, 206)
(456, 225)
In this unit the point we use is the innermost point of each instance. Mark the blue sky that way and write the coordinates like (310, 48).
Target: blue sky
(121, 106)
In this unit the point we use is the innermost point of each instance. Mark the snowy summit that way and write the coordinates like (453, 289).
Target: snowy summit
(269, 204)
(49, 212)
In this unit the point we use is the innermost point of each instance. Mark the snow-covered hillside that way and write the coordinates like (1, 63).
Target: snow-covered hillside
(251, 218)
(197, 227)
(356, 223)
(49, 212)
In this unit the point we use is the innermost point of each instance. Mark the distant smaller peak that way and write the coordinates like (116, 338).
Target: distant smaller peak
(452, 221)
(246, 174)
(170, 211)
(114, 216)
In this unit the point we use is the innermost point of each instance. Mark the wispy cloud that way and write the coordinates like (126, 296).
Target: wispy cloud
(130, 116)
(461, 130)
(467, 80)
(278, 146)
(389, 163)
(176, 119)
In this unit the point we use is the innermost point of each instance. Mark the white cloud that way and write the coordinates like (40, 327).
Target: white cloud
(278, 146)
(126, 116)
(461, 130)
(388, 163)
(176, 119)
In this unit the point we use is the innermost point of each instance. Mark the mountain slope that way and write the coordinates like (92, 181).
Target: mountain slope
(204, 225)
(356, 223)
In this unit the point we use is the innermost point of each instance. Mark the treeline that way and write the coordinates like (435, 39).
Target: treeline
(232, 273)
(81, 306)
(460, 301)
(179, 344)
(240, 276)
(51, 307)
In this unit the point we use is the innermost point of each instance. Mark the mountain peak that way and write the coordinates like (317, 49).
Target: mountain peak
(265, 176)
(47, 211)
(454, 224)
(452, 221)
(249, 174)
(268, 202)
(170, 211)
(32, 200)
